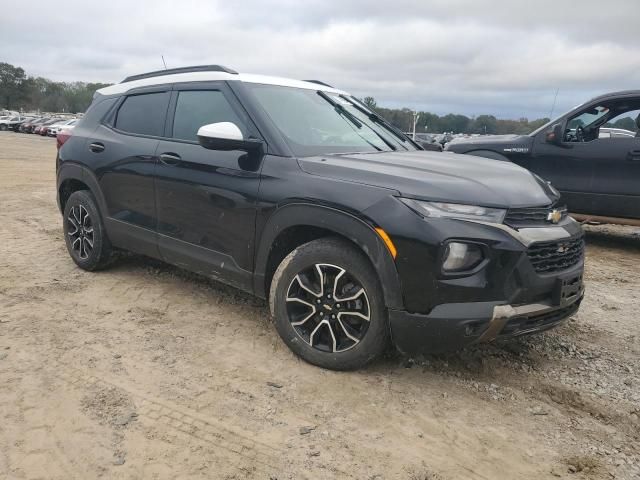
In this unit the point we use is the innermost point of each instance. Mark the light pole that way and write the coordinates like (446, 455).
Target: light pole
(415, 121)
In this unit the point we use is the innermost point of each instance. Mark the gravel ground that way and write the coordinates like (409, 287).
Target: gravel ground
(147, 371)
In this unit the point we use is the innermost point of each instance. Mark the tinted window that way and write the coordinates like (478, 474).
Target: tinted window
(195, 108)
(143, 114)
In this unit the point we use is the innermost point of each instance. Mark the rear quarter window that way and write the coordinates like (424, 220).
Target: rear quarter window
(97, 110)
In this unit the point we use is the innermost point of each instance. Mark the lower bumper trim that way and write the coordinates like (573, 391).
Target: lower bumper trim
(455, 326)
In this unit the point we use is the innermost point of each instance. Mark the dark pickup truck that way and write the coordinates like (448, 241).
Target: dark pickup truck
(598, 175)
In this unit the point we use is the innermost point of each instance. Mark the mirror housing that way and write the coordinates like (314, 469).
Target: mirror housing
(225, 136)
(555, 135)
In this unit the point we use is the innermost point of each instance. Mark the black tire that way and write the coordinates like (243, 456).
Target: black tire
(327, 257)
(84, 232)
(3, 127)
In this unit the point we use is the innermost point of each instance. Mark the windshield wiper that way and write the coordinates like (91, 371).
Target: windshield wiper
(374, 117)
(353, 119)
(343, 111)
(340, 109)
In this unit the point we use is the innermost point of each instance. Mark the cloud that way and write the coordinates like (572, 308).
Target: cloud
(463, 56)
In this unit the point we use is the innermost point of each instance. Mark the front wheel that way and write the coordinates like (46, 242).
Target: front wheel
(328, 307)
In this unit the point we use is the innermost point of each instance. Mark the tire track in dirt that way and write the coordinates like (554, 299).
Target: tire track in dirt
(239, 448)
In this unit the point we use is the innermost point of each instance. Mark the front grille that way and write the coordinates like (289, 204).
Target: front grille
(549, 257)
(526, 217)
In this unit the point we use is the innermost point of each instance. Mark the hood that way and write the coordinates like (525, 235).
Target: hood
(497, 143)
(437, 176)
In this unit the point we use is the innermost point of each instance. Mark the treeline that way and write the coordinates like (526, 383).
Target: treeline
(25, 93)
(432, 123)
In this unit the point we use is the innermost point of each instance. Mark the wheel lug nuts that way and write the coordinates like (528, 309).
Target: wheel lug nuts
(318, 301)
(337, 305)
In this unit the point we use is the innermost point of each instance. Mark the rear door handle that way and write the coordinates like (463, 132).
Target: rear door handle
(96, 147)
(634, 156)
(169, 158)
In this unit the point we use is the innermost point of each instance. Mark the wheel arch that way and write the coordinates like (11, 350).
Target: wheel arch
(295, 224)
(73, 177)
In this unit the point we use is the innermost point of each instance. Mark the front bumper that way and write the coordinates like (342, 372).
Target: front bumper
(454, 326)
(516, 293)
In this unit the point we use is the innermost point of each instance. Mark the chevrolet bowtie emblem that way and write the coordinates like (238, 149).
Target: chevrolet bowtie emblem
(554, 216)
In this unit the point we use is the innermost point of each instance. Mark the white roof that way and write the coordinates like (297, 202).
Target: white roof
(212, 76)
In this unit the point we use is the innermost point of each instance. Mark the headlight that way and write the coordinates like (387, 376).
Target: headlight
(455, 210)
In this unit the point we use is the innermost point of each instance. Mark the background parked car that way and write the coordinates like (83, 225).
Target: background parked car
(53, 130)
(7, 123)
(28, 127)
(42, 128)
(428, 142)
(606, 132)
(595, 167)
(17, 125)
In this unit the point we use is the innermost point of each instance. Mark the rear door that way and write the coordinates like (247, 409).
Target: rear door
(123, 154)
(206, 199)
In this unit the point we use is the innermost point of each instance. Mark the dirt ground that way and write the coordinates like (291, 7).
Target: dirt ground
(146, 371)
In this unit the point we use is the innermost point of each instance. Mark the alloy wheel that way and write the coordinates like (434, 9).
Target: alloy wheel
(328, 308)
(80, 231)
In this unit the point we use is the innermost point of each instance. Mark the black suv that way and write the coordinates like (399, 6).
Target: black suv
(596, 168)
(296, 192)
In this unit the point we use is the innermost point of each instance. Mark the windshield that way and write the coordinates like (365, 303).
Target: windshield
(553, 122)
(318, 122)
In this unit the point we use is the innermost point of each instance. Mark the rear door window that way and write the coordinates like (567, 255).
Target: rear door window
(143, 114)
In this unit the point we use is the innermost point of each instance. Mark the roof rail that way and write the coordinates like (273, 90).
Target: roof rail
(319, 83)
(173, 71)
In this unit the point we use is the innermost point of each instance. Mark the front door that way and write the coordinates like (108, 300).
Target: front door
(569, 168)
(206, 199)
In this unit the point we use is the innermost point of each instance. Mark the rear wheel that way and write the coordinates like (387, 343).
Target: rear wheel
(84, 233)
(326, 301)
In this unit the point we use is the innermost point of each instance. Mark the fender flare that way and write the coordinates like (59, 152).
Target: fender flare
(75, 171)
(493, 155)
(341, 223)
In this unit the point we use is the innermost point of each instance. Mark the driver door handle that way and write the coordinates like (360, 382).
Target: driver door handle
(169, 158)
(634, 156)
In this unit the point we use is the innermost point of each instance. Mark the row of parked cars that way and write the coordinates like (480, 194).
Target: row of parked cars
(47, 125)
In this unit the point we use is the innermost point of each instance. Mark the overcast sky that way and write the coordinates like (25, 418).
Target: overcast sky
(504, 57)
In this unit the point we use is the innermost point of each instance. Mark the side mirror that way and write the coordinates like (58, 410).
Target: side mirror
(225, 136)
(556, 135)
